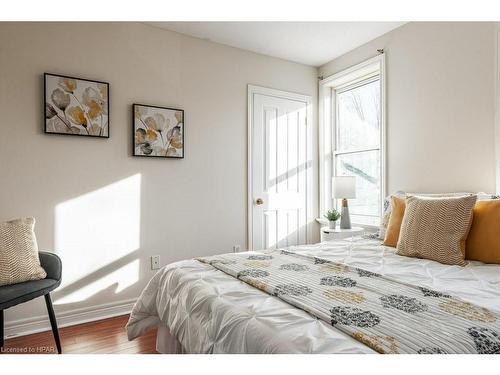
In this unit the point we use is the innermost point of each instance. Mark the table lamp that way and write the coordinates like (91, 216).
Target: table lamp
(344, 187)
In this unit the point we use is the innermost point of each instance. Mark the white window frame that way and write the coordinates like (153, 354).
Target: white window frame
(347, 78)
(497, 107)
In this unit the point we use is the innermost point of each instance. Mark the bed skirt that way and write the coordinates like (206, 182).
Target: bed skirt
(166, 343)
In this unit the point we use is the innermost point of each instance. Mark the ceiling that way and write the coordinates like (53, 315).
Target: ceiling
(310, 43)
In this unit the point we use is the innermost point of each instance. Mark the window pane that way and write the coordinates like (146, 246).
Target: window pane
(366, 167)
(359, 117)
(365, 220)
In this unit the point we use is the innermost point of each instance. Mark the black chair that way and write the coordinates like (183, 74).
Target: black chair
(11, 295)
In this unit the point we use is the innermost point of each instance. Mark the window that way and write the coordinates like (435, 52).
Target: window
(352, 138)
(357, 146)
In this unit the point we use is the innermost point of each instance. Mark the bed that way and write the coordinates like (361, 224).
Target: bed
(200, 309)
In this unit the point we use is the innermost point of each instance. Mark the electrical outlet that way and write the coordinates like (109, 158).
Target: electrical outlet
(236, 248)
(155, 262)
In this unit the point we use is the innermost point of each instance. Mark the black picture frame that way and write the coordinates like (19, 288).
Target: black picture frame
(45, 119)
(134, 128)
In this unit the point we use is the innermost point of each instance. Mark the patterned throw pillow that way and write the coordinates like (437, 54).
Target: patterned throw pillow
(386, 212)
(19, 260)
(436, 228)
(387, 209)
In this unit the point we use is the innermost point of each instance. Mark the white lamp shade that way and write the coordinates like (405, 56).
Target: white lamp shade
(344, 187)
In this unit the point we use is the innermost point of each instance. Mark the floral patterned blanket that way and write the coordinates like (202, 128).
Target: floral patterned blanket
(387, 315)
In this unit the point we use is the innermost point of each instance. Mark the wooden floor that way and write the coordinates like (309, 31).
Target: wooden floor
(101, 337)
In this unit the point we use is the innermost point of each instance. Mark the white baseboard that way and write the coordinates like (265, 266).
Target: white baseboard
(28, 326)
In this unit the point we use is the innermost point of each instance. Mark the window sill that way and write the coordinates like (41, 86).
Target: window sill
(369, 228)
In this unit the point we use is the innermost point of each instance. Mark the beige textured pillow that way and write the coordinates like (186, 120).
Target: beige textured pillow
(19, 260)
(436, 228)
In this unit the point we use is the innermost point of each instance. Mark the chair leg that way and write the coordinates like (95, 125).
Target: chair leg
(1, 329)
(53, 322)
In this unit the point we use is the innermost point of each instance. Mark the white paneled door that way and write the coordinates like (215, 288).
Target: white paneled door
(279, 168)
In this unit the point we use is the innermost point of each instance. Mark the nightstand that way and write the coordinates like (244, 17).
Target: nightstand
(328, 234)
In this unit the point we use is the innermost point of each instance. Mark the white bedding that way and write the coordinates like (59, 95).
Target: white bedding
(207, 311)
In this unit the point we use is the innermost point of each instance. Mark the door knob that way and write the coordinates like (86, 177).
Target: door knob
(259, 201)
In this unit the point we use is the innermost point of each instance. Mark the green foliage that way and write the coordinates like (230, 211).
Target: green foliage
(332, 215)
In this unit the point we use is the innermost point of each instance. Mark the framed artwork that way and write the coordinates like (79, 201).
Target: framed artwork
(76, 106)
(158, 131)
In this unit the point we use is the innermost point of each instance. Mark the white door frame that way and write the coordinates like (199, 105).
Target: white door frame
(252, 90)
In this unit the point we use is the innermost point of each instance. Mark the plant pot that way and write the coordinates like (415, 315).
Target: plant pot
(332, 224)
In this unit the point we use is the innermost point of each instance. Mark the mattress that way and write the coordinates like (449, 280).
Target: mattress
(202, 310)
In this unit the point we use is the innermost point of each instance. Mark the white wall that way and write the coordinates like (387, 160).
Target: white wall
(440, 97)
(104, 212)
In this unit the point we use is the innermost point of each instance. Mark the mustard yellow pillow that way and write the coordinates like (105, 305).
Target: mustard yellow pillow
(483, 242)
(395, 220)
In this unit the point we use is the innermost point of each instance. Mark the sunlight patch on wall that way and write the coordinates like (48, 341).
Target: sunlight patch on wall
(119, 279)
(96, 230)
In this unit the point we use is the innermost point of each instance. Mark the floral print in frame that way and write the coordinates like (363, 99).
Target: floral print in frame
(76, 106)
(158, 131)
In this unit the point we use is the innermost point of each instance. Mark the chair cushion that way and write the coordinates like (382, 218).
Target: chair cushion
(14, 294)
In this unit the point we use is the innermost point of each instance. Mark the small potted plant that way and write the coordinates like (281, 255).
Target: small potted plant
(332, 215)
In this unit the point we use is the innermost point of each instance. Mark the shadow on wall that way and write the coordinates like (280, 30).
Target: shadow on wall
(97, 236)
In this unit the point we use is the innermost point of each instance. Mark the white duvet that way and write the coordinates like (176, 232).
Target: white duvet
(206, 311)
